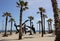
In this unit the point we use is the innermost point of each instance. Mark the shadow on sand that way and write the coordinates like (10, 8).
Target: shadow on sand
(50, 36)
(8, 39)
(28, 37)
(16, 39)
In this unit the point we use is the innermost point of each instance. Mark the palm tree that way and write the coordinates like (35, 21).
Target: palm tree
(39, 25)
(7, 14)
(31, 18)
(11, 20)
(23, 6)
(50, 25)
(41, 10)
(55, 10)
(44, 16)
(56, 18)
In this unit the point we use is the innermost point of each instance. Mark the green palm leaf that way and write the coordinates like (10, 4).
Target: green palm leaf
(11, 19)
(31, 18)
(7, 14)
(26, 7)
(41, 9)
(22, 3)
(26, 3)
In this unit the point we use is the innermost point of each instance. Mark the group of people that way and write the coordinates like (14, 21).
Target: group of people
(24, 28)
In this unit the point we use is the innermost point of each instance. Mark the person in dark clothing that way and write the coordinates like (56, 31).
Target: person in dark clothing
(33, 29)
(16, 28)
(25, 28)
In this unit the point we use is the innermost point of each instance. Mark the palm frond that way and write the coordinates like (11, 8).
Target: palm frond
(44, 15)
(17, 3)
(49, 20)
(26, 3)
(7, 14)
(22, 3)
(39, 21)
(41, 9)
(26, 7)
(38, 12)
(11, 19)
(31, 18)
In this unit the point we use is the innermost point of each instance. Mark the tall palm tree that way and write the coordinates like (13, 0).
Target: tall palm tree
(11, 20)
(39, 25)
(44, 16)
(50, 25)
(31, 18)
(7, 14)
(41, 10)
(56, 18)
(23, 6)
(55, 10)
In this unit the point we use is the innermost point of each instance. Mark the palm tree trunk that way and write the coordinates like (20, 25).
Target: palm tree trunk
(50, 27)
(11, 29)
(54, 5)
(20, 31)
(42, 23)
(39, 28)
(6, 26)
(56, 17)
(25, 28)
(30, 28)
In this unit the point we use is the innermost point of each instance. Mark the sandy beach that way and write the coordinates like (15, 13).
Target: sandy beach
(27, 37)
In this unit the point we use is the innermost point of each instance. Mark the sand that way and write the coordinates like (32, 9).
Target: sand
(27, 37)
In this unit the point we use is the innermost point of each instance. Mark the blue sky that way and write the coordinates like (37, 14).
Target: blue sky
(10, 6)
